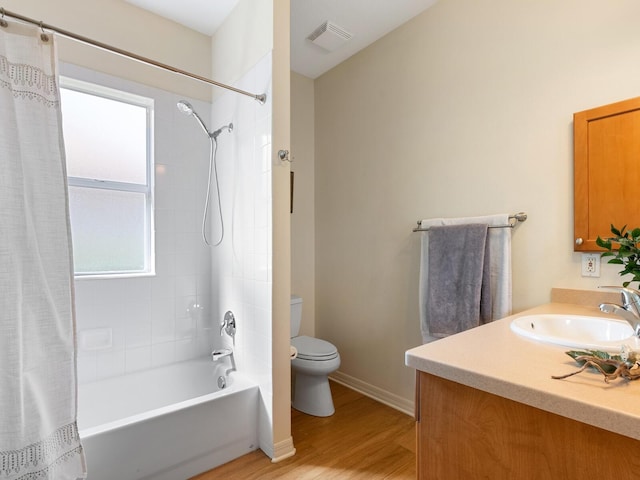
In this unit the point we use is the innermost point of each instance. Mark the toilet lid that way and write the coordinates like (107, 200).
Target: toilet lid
(310, 348)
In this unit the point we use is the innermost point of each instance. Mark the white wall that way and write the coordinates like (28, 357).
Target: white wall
(242, 40)
(465, 110)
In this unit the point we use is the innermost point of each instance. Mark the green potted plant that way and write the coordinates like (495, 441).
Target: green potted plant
(623, 247)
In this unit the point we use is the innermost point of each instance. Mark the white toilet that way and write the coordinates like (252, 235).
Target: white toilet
(315, 361)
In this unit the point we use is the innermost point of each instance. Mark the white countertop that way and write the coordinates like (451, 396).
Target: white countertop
(493, 359)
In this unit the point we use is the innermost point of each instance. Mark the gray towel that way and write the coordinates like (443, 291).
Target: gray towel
(458, 291)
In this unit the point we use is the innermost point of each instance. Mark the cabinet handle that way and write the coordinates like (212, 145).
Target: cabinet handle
(579, 241)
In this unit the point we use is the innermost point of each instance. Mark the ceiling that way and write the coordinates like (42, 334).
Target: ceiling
(204, 16)
(366, 20)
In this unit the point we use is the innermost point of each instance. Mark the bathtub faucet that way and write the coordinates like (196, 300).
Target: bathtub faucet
(630, 308)
(228, 325)
(222, 353)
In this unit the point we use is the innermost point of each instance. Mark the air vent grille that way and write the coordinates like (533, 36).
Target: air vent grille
(329, 36)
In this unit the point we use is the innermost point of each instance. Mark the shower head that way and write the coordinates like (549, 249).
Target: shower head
(186, 108)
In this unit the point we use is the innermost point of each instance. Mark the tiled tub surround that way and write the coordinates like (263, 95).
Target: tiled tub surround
(167, 423)
(242, 264)
(134, 334)
(130, 324)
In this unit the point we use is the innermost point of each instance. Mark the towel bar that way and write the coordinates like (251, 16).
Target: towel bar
(513, 221)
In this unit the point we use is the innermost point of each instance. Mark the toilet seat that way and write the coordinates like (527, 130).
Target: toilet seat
(314, 349)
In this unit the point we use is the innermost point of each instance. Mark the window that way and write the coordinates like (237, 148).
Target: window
(108, 143)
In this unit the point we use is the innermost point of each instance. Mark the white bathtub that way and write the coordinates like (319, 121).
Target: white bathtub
(168, 423)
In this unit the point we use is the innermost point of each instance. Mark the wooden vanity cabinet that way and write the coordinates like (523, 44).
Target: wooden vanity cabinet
(465, 433)
(606, 171)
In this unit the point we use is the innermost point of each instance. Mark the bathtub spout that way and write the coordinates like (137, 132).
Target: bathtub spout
(222, 353)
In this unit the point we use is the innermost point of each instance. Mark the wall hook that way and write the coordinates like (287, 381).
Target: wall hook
(284, 155)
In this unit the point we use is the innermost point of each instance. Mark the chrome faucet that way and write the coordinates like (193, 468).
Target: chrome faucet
(228, 325)
(630, 308)
(223, 353)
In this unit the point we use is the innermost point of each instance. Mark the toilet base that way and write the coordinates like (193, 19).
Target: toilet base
(312, 395)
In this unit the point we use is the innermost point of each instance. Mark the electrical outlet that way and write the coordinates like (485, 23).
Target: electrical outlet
(590, 265)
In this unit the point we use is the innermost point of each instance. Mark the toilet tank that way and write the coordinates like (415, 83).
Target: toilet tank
(296, 315)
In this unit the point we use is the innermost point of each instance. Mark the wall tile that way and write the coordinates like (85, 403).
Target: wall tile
(148, 316)
(243, 280)
(86, 367)
(163, 331)
(162, 354)
(186, 349)
(138, 358)
(109, 364)
(138, 335)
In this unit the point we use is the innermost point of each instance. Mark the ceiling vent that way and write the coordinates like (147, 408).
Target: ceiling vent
(330, 36)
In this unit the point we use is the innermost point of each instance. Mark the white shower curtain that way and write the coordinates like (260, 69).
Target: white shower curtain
(38, 433)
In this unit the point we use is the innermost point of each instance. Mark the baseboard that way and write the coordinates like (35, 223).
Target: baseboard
(283, 450)
(390, 399)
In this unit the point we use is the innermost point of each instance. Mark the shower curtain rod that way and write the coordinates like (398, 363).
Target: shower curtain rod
(513, 221)
(65, 33)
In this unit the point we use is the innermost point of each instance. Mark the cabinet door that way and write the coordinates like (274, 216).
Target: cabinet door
(464, 433)
(606, 171)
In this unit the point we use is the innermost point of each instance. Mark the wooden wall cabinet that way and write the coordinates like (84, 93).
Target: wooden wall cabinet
(464, 433)
(606, 171)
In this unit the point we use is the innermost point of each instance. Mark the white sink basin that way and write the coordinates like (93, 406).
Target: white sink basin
(577, 331)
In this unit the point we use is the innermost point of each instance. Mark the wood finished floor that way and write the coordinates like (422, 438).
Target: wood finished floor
(363, 439)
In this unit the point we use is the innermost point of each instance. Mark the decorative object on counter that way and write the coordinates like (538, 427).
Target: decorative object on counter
(627, 254)
(612, 367)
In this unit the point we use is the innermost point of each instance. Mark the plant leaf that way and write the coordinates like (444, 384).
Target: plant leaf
(625, 252)
(597, 354)
(603, 243)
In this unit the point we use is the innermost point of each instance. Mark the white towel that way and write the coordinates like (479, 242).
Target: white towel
(500, 253)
